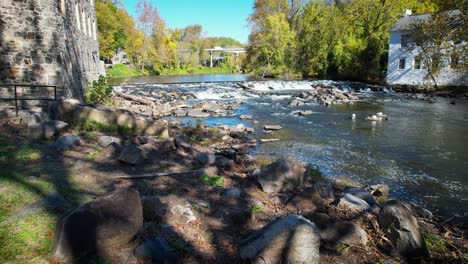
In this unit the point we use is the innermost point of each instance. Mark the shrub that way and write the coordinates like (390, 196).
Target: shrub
(98, 92)
(217, 181)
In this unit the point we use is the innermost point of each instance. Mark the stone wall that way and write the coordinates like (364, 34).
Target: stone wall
(49, 42)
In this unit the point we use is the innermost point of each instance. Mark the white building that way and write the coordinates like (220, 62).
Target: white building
(405, 66)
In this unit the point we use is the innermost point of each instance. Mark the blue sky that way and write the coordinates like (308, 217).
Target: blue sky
(219, 18)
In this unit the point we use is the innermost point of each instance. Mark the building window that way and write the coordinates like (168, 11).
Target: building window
(417, 63)
(406, 40)
(401, 64)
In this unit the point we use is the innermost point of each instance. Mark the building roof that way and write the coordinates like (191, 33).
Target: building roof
(405, 22)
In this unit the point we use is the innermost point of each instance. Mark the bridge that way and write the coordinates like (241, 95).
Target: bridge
(236, 51)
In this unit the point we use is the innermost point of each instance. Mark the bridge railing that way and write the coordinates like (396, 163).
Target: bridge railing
(28, 92)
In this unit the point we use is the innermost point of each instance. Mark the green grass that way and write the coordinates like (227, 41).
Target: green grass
(217, 181)
(257, 209)
(87, 134)
(93, 126)
(435, 243)
(122, 70)
(93, 154)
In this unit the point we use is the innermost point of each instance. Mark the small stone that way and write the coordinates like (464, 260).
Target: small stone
(211, 171)
(353, 202)
(197, 113)
(65, 142)
(131, 154)
(246, 117)
(234, 193)
(206, 158)
(305, 113)
(272, 127)
(105, 141)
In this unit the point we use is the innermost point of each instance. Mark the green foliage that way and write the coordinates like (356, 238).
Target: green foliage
(98, 92)
(217, 181)
(435, 244)
(93, 154)
(90, 125)
(122, 70)
(257, 209)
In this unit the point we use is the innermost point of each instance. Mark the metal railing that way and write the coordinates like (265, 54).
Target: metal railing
(27, 92)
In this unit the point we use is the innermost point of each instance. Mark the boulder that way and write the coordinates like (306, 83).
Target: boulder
(224, 163)
(379, 190)
(46, 129)
(105, 141)
(166, 147)
(272, 127)
(206, 158)
(156, 250)
(281, 175)
(197, 113)
(308, 201)
(234, 193)
(325, 189)
(353, 202)
(211, 171)
(65, 142)
(361, 193)
(335, 230)
(401, 228)
(131, 154)
(111, 220)
(292, 239)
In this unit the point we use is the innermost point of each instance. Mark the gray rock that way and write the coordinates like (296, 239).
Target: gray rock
(246, 117)
(235, 193)
(325, 189)
(305, 113)
(197, 113)
(418, 211)
(281, 175)
(156, 250)
(111, 220)
(335, 230)
(131, 154)
(379, 190)
(166, 147)
(46, 129)
(272, 127)
(180, 113)
(105, 141)
(292, 239)
(353, 202)
(65, 142)
(224, 163)
(401, 228)
(211, 171)
(206, 158)
(361, 193)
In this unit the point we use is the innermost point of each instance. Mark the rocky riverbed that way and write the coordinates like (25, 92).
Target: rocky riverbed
(199, 197)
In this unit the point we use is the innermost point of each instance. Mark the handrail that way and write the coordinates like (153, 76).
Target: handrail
(16, 98)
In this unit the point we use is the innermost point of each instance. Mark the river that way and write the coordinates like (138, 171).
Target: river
(420, 152)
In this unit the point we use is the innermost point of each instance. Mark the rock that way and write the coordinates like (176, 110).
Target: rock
(46, 129)
(111, 220)
(224, 163)
(379, 190)
(197, 113)
(325, 189)
(418, 211)
(166, 147)
(65, 142)
(246, 117)
(156, 250)
(307, 201)
(211, 171)
(131, 154)
(181, 113)
(268, 140)
(237, 134)
(335, 230)
(361, 193)
(206, 158)
(168, 209)
(281, 175)
(401, 228)
(183, 142)
(272, 127)
(305, 113)
(105, 141)
(292, 239)
(353, 202)
(296, 102)
(234, 193)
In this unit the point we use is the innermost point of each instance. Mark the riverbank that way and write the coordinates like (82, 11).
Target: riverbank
(122, 70)
(216, 199)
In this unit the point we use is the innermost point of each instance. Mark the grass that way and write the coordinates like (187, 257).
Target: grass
(86, 134)
(435, 243)
(257, 209)
(93, 154)
(122, 70)
(217, 181)
(88, 126)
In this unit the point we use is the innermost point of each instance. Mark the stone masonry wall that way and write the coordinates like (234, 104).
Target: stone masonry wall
(49, 42)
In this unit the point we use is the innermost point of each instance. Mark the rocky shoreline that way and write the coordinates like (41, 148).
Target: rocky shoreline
(199, 197)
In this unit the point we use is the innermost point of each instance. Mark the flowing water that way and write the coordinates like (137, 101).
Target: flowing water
(420, 152)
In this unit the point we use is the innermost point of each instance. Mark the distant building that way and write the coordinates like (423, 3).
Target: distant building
(404, 64)
(49, 42)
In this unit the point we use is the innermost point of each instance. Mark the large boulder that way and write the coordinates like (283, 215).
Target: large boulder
(361, 193)
(401, 228)
(46, 129)
(105, 141)
(352, 202)
(335, 230)
(281, 175)
(292, 239)
(131, 154)
(111, 220)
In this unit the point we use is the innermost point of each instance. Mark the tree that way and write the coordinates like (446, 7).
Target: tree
(148, 18)
(441, 39)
